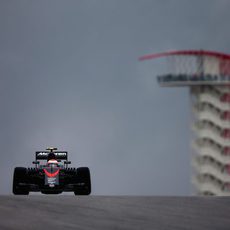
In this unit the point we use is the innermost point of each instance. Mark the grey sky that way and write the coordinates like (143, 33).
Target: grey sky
(70, 78)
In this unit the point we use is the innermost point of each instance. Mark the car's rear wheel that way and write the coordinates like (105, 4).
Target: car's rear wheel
(19, 181)
(83, 181)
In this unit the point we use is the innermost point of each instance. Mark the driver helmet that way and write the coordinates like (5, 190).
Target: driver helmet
(52, 161)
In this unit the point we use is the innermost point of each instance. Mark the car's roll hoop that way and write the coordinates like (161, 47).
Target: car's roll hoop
(51, 149)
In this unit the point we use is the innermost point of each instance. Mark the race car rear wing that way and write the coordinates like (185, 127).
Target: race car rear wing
(43, 155)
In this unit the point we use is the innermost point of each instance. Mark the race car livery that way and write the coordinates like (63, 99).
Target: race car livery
(51, 175)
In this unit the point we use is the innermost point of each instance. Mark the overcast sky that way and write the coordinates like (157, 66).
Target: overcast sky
(70, 78)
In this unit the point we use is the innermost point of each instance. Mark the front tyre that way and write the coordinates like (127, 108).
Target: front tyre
(19, 181)
(84, 181)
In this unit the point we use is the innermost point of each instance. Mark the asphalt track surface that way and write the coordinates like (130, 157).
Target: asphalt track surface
(114, 212)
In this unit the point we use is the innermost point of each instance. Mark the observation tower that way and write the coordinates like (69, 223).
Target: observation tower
(207, 74)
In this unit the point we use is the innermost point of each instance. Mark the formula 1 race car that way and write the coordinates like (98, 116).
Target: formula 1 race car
(51, 175)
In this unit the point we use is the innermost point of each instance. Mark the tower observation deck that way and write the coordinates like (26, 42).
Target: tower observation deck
(207, 74)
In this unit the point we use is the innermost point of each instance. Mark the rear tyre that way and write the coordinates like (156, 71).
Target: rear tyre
(84, 181)
(19, 181)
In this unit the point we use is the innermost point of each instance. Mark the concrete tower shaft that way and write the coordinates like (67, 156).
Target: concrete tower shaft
(211, 160)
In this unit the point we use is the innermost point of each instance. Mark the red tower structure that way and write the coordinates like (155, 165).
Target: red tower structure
(207, 74)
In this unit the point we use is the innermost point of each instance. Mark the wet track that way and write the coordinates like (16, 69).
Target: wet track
(101, 212)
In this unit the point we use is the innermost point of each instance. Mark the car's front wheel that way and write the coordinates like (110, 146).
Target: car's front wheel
(84, 181)
(19, 181)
